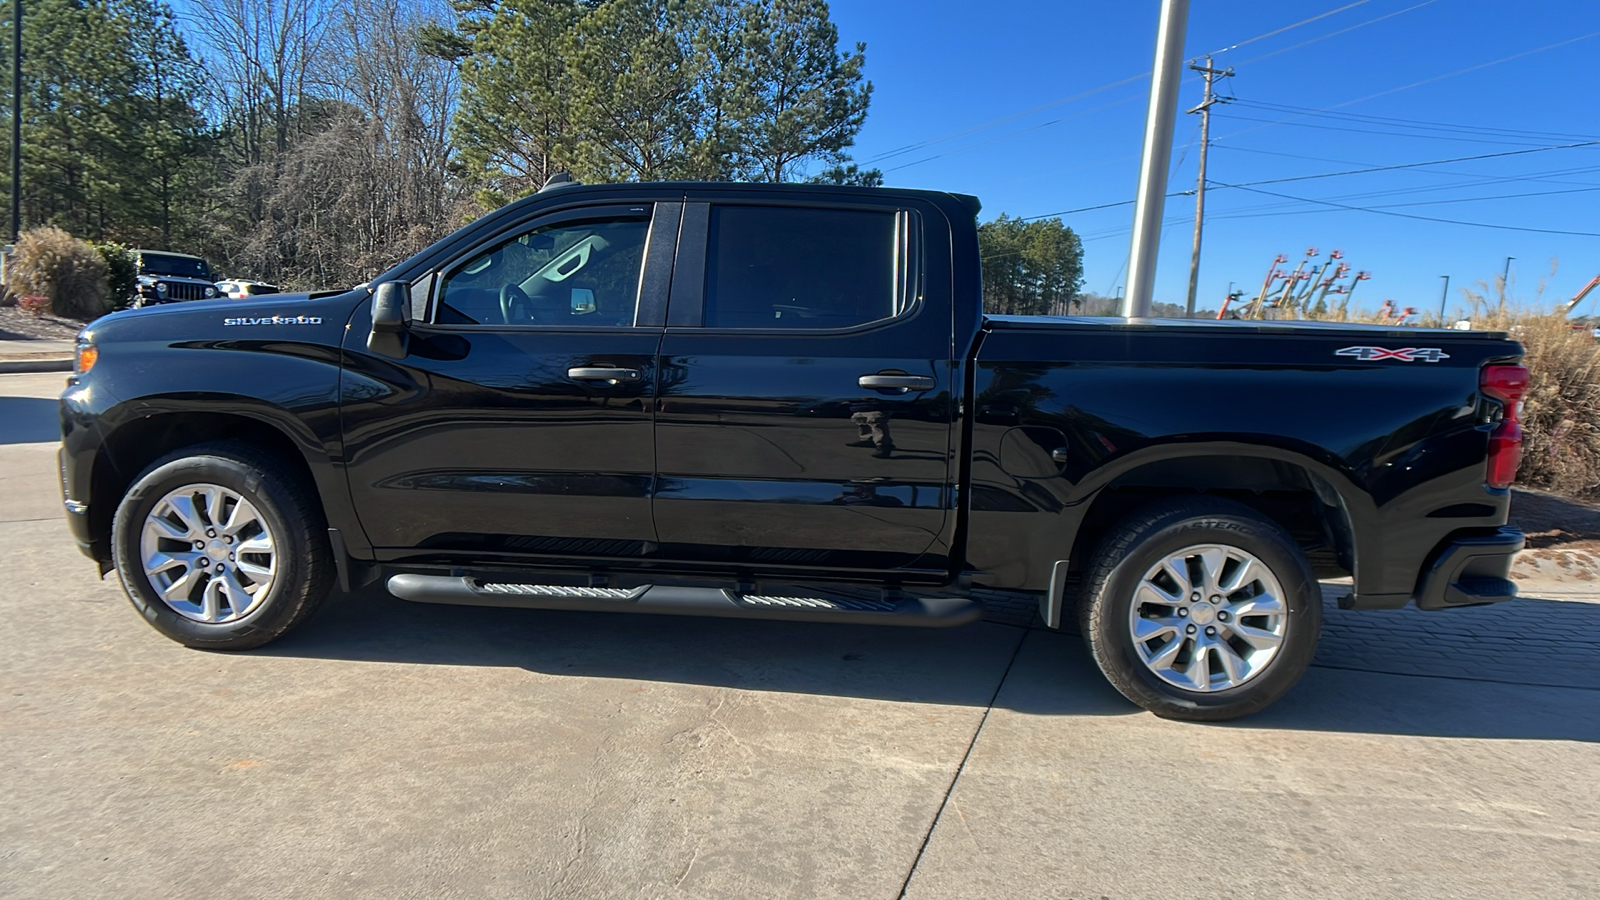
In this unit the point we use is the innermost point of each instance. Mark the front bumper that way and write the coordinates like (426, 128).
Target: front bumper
(1471, 570)
(77, 511)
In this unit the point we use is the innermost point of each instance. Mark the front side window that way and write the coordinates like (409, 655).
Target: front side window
(778, 267)
(574, 272)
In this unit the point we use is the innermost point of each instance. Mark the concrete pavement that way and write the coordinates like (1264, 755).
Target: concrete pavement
(396, 750)
(35, 356)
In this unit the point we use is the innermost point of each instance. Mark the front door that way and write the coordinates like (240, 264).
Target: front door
(519, 424)
(805, 413)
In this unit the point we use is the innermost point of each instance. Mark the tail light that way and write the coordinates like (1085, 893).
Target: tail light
(1507, 384)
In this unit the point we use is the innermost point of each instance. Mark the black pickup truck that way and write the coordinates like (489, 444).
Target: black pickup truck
(784, 402)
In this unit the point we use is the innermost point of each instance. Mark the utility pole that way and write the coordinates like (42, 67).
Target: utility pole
(16, 120)
(1204, 109)
(1505, 284)
(1444, 297)
(1157, 158)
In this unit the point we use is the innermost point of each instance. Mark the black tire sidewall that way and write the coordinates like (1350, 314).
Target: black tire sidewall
(271, 615)
(1112, 641)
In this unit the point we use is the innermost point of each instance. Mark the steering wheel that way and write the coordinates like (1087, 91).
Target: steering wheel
(515, 306)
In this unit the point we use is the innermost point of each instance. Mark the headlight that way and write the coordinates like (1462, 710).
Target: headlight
(161, 287)
(211, 292)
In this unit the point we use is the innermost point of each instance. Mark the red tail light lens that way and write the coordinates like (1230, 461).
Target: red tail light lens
(1507, 384)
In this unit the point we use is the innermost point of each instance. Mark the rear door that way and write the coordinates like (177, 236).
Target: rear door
(806, 410)
(519, 424)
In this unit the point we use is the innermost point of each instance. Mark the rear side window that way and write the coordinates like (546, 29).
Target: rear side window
(777, 267)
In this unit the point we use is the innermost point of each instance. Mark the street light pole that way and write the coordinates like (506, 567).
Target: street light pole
(1157, 158)
(1444, 297)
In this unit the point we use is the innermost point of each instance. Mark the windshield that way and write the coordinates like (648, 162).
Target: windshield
(178, 266)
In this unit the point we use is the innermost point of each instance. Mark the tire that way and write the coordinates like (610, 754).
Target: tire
(271, 544)
(1200, 678)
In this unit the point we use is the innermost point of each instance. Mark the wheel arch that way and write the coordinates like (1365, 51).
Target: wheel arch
(144, 435)
(1285, 486)
(1316, 503)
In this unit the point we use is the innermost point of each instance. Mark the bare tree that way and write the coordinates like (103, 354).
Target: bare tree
(262, 60)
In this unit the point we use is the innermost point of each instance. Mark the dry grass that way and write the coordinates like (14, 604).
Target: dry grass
(1561, 415)
(49, 262)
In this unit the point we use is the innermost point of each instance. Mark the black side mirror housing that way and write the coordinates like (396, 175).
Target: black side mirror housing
(391, 320)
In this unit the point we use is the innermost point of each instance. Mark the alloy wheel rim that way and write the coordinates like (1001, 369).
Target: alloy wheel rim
(1208, 618)
(208, 553)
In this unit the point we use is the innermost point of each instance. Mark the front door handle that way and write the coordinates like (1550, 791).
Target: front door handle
(901, 383)
(603, 373)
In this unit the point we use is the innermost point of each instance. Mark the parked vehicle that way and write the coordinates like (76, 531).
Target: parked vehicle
(729, 400)
(239, 289)
(165, 277)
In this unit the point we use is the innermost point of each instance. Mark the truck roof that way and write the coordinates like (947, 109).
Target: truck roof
(966, 200)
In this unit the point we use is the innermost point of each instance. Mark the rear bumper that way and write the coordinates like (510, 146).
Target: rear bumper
(1471, 570)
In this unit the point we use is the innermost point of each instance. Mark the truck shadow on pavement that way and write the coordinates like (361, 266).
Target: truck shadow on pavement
(1031, 671)
(29, 420)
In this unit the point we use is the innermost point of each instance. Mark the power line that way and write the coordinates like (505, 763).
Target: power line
(1333, 34)
(1386, 212)
(1410, 123)
(983, 126)
(1347, 129)
(1370, 169)
(1503, 59)
(1243, 214)
(1436, 162)
(1366, 195)
(1406, 87)
(1277, 31)
(1009, 134)
(911, 148)
(1479, 179)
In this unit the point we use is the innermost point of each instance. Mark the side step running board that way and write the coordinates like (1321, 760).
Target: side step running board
(686, 601)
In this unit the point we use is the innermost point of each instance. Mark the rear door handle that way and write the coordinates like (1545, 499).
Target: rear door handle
(602, 373)
(902, 383)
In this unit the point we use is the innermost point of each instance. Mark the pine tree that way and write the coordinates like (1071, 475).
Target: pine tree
(1030, 268)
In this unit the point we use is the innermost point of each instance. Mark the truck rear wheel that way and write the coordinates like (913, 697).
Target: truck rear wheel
(220, 550)
(1200, 609)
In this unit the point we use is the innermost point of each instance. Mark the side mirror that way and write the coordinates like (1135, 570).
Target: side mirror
(391, 319)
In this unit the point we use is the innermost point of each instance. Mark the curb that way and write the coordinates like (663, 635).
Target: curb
(17, 366)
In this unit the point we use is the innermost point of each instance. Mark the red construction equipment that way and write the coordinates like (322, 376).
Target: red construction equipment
(1573, 303)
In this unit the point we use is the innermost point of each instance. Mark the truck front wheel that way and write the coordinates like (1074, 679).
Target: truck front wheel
(220, 548)
(1200, 609)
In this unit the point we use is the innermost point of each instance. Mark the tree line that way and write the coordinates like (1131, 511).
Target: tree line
(313, 143)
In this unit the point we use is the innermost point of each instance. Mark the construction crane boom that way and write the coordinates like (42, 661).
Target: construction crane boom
(1573, 303)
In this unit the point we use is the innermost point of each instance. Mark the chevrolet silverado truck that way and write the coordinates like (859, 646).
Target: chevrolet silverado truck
(785, 402)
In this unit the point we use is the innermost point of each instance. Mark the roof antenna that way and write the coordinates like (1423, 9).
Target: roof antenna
(559, 180)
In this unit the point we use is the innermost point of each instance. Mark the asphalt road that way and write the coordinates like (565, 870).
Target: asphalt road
(397, 750)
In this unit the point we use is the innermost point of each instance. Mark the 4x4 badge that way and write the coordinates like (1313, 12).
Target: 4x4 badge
(1407, 354)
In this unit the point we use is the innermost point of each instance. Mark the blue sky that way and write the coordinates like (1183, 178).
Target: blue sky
(941, 67)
